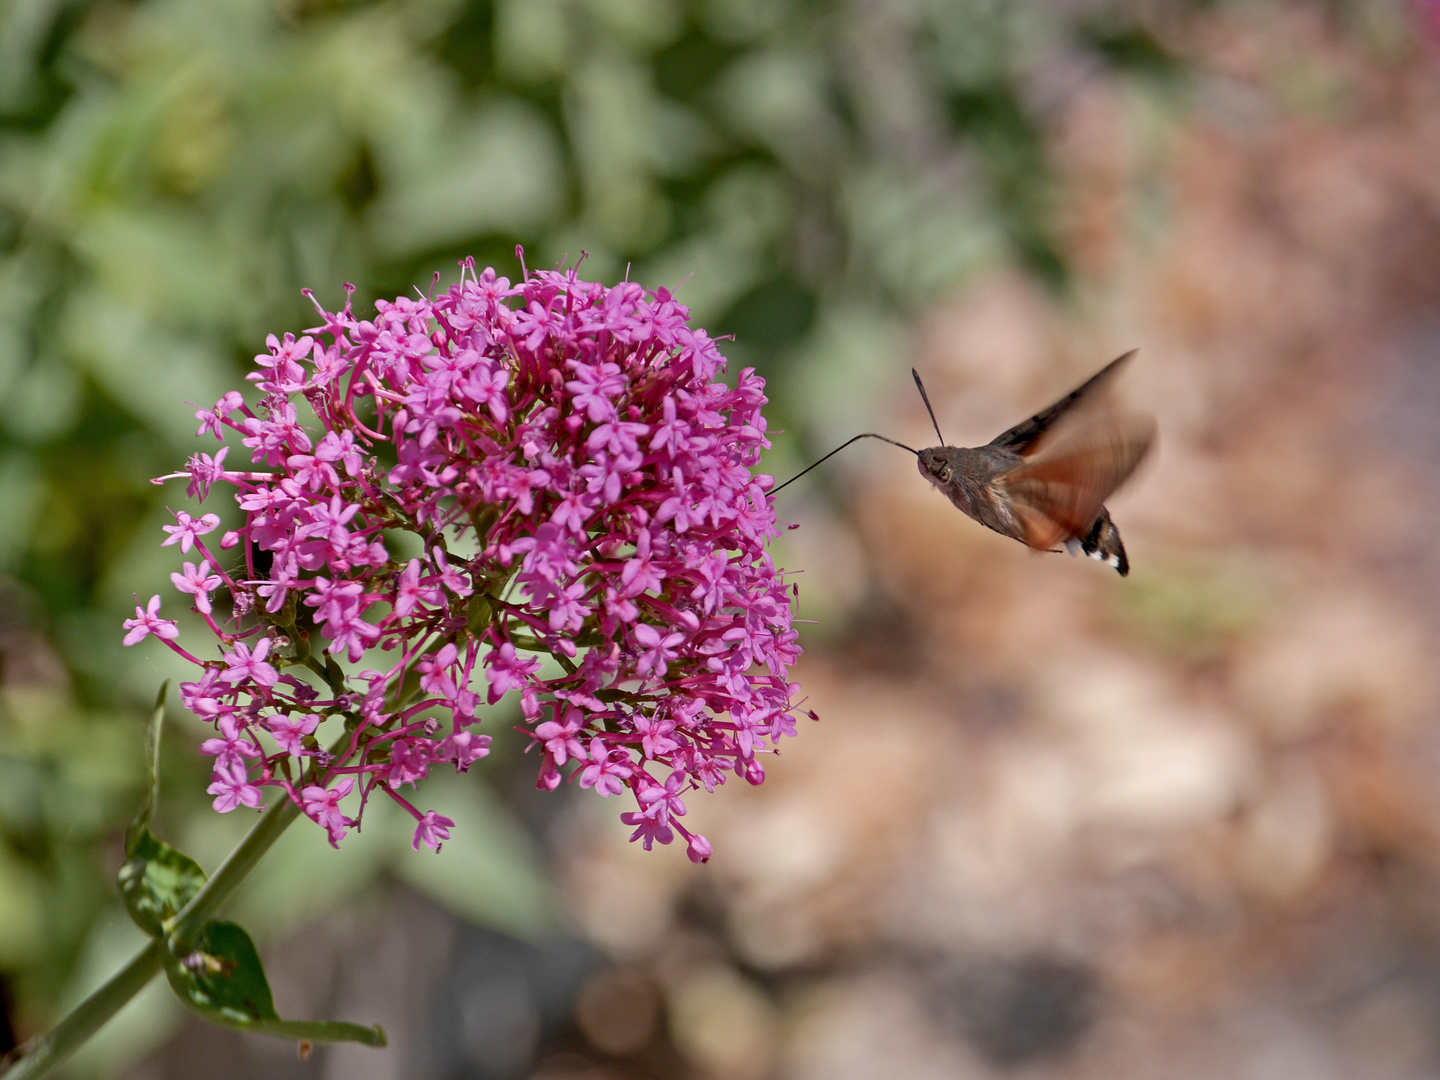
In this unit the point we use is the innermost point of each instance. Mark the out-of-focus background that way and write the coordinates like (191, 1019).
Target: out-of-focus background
(1051, 823)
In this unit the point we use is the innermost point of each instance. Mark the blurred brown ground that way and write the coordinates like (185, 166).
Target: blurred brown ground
(1054, 823)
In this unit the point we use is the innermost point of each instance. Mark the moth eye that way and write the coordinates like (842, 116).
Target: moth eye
(944, 474)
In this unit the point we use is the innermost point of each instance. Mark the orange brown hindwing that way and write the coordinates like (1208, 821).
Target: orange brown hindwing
(1058, 493)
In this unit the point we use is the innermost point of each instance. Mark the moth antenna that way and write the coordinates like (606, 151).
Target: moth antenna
(832, 453)
(926, 398)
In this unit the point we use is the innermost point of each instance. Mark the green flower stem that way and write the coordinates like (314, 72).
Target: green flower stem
(44, 1052)
(234, 870)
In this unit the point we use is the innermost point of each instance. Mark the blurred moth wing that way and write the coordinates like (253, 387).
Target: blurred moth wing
(1059, 491)
(1095, 393)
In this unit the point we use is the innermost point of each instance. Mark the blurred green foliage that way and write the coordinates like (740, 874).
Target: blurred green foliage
(173, 172)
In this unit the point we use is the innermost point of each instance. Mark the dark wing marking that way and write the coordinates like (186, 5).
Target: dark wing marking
(1022, 436)
(1057, 494)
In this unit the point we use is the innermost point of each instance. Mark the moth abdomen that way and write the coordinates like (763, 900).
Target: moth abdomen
(1102, 543)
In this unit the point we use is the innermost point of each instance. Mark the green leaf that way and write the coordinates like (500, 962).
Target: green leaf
(141, 822)
(223, 980)
(156, 880)
(222, 977)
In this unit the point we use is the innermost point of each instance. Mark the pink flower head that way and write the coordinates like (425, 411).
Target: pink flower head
(574, 488)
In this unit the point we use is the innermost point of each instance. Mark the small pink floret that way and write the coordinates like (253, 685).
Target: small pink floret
(431, 829)
(147, 621)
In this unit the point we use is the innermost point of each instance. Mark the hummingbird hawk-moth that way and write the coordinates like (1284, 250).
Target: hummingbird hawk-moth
(1043, 482)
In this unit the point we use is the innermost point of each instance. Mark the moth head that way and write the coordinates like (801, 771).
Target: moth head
(934, 466)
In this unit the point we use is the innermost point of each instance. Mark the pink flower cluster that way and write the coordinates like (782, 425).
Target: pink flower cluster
(586, 533)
